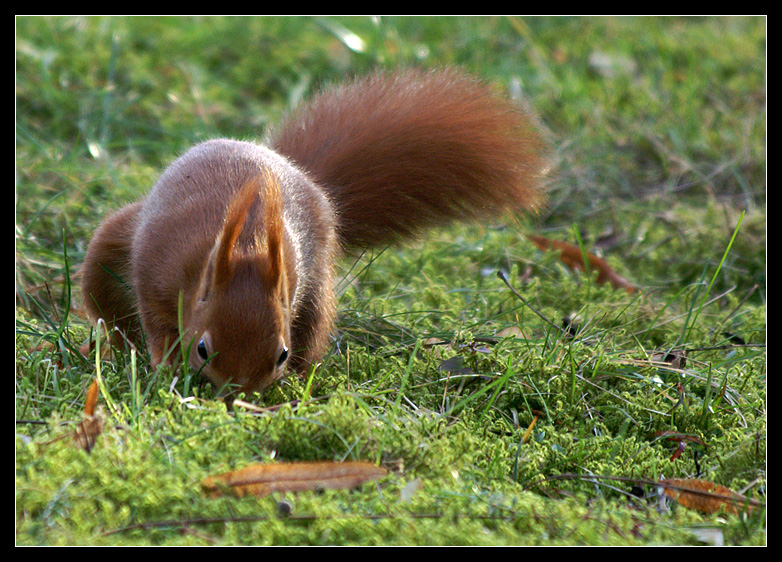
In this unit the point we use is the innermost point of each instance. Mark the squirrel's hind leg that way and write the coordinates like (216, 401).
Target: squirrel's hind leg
(107, 281)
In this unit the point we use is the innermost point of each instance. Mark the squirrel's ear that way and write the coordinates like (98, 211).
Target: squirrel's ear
(273, 225)
(221, 261)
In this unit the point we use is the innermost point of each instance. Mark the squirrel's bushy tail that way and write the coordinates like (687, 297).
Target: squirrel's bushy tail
(399, 152)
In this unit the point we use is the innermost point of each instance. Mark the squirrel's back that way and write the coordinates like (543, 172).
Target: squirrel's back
(403, 151)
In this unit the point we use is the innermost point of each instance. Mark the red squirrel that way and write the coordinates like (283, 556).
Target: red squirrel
(246, 236)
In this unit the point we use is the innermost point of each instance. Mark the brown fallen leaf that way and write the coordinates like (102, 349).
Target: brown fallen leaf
(706, 497)
(263, 479)
(92, 399)
(677, 436)
(676, 358)
(572, 256)
(527, 433)
(91, 426)
(511, 332)
(679, 450)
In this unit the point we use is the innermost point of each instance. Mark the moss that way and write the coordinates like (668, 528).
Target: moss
(541, 438)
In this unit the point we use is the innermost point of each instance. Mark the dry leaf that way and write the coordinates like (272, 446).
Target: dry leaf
(705, 496)
(91, 426)
(263, 479)
(410, 489)
(679, 450)
(677, 436)
(676, 358)
(527, 433)
(572, 256)
(455, 365)
(511, 332)
(431, 342)
(92, 399)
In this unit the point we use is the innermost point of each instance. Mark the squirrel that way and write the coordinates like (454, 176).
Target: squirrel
(238, 241)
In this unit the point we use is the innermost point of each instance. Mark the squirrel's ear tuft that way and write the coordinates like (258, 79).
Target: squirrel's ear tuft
(273, 224)
(269, 241)
(221, 260)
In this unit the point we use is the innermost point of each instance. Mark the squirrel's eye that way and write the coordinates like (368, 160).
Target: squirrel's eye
(283, 356)
(203, 353)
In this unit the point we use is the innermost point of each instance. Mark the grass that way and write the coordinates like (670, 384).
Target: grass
(551, 437)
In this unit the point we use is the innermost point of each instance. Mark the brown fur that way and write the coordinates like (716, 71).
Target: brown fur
(107, 283)
(246, 276)
(413, 150)
(247, 237)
